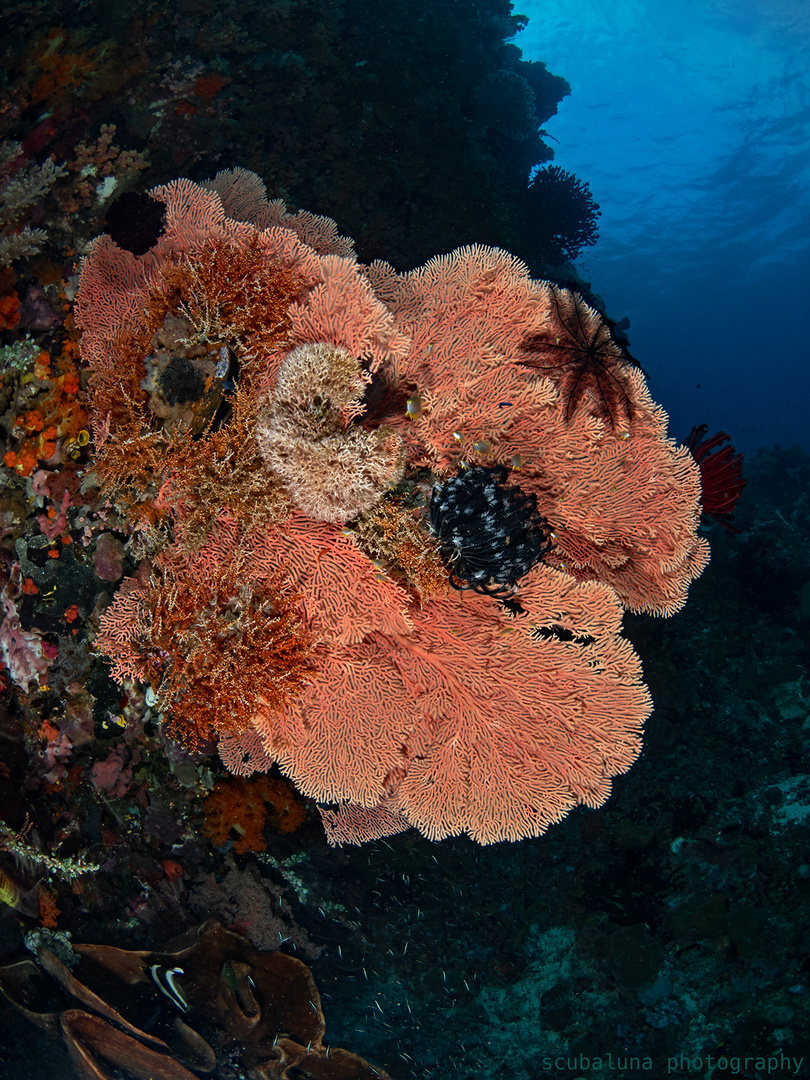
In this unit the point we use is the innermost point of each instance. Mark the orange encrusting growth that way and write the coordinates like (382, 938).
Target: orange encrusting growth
(245, 806)
(56, 415)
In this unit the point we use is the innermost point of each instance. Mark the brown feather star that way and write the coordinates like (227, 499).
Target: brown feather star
(579, 351)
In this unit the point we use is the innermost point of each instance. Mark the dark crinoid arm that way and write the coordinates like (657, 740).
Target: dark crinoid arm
(579, 352)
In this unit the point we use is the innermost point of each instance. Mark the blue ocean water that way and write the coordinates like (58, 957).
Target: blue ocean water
(691, 124)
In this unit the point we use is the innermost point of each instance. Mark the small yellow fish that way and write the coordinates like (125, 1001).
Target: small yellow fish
(9, 893)
(482, 446)
(413, 407)
(517, 462)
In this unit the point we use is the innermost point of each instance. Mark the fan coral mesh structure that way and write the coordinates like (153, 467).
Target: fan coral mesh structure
(248, 384)
(623, 501)
(472, 723)
(721, 478)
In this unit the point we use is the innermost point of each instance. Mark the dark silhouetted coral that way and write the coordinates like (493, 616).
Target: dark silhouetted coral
(561, 217)
(137, 1014)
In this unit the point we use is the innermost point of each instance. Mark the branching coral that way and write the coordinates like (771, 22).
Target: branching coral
(22, 185)
(561, 215)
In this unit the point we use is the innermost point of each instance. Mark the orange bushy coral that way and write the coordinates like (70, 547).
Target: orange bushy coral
(48, 910)
(220, 307)
(392, 532)
(216, 643)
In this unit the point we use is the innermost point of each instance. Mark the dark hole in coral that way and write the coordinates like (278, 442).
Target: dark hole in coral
(221, 416)
(135, 222)
(513, 605)
(181, 382)
(560, 633)
(553, 631)
(384, 401)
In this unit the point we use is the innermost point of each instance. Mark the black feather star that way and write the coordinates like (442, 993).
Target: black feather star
(491, 534)
(580, 352)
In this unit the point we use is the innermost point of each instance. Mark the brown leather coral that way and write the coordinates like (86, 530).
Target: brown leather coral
(261, 1008)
